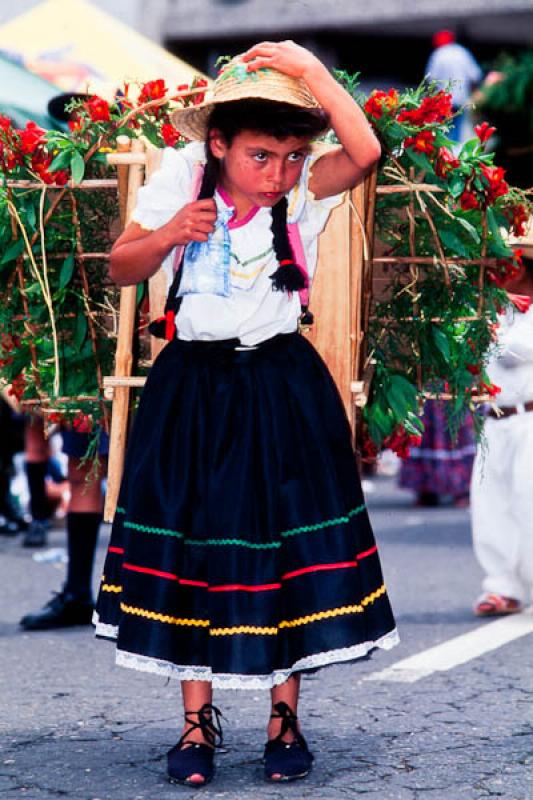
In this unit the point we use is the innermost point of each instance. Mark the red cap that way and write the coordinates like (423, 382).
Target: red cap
(443, 37)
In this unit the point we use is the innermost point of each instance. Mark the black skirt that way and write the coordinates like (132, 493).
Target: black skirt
(241, 550)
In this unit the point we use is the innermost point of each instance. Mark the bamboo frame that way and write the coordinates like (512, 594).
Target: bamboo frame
(124, 357)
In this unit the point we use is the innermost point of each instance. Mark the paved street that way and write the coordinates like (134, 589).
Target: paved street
(75, 726)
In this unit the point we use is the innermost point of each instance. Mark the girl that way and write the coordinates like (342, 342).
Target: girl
(241, 553)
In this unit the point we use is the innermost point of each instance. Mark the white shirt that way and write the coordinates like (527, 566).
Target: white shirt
(253, 312)
(511, 364)
(453, 62)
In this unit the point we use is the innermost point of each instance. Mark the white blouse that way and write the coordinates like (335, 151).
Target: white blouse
(253, 312)
(511, 364)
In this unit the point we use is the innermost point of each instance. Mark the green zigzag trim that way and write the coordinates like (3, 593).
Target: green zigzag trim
(149, 529)
(120, 510)
(242, 542)
(328, 524)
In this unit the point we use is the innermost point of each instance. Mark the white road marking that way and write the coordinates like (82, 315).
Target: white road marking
(457, 651)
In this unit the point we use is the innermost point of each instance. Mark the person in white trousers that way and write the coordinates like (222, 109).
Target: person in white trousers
(502, 481)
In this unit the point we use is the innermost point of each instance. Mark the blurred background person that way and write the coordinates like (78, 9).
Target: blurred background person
(451, 62)
(502, 483)
(440, 468)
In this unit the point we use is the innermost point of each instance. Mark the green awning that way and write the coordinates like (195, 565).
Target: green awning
(23, 95)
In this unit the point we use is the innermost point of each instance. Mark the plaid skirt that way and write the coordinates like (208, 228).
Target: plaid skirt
(241, 550)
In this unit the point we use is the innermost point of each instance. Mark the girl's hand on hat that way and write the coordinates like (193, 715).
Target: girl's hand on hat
(194, 222)
(287, 57)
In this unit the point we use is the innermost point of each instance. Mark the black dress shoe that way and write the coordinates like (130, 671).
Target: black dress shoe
(36, 535)
(63, 611)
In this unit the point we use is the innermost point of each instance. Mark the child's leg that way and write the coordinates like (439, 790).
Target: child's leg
(289, 693)
(195, 695)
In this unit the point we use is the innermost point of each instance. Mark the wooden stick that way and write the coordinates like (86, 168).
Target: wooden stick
(124, 158)
(123, 359)
(86, 297)
(45, 400)
(489, 260)
(135, 381)
(92, 183)
(413, 269)
(402, 188)
(123, 147)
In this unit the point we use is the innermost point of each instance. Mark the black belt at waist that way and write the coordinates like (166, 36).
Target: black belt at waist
(501, 412)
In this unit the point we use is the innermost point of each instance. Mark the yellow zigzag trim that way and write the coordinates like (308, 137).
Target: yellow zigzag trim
(243, 629)
(252, 629)
(334, 612)
(111, 587)
(141, 612)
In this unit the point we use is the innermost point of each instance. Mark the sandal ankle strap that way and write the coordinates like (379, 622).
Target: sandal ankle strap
(208, 722)
(288, 723)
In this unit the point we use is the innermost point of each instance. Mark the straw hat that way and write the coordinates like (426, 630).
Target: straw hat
(236, 83)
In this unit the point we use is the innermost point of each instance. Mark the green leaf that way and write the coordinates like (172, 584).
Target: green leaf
(420, 160)
(77, 167)
(61, 161)
(13, 251)
(80, 331)
(441, 342)
(67, 269)
(469, 228)
(456, 185)
(453, 243)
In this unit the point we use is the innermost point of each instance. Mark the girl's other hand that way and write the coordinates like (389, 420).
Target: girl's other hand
(194, 222)
(287, 57)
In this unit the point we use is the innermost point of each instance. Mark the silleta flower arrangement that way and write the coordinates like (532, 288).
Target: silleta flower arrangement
(443, 219)
(440, 257)
(58, 215)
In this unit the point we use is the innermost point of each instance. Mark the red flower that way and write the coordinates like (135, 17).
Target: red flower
(76, 123)
(199, 84)
(17, 387)
(432, 109)
(422, 142)
(490, 388)
(445, 162)
(380, 102)
(170, 134)
(31, 137)
(98, 109)
(5, 123)
(496, 186)
(8, 159)
(82, 423)
(400, 442)
(60, 177)
(522, 302)
(506, 270)
(40, 162)
(518, 217)
(484, 132)
(468, 200)
(369, 450)
(153, 90)
(474, 369)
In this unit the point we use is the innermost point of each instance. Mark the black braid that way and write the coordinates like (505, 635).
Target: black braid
(288, 277)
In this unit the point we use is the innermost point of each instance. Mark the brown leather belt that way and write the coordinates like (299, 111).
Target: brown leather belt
(508, 411)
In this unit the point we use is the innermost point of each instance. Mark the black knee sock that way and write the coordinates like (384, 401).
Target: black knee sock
(82, 530)
(39, 507)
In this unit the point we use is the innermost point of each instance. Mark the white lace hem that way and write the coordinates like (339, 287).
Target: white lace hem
(103, 630)
(234, 681)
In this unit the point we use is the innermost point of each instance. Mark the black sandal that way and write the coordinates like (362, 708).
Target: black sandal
(190, 758)
(291, 760)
